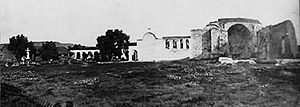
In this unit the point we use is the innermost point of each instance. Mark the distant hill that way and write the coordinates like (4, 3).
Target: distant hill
(40, 43)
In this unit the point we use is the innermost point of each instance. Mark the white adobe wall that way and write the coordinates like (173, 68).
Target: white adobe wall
(218, 37)
(153, 49)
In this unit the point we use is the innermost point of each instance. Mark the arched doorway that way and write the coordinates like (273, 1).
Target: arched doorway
(135, 55)
(90, 55)
(84, 56)
(239, 38)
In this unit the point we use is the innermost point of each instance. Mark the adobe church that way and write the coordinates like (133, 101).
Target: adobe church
(238, 38)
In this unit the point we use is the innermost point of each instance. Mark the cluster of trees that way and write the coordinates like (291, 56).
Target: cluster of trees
(18, 44)
(48, 51)
(113, 45)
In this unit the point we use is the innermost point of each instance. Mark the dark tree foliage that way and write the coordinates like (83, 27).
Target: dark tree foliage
(18, 45)
(96, 56)
(72, 53)
(69, 47)
(112, 43)
(49, 51)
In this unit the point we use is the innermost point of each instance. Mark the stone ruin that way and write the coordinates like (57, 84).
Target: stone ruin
(277, 41)
(241, 38)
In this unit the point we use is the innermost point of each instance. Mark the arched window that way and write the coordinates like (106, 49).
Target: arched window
(187, 44)
(135, 55)
(90, 55)
(78, 55)
(174, 44)
(181, 44)
(84, 55)
(167, 44)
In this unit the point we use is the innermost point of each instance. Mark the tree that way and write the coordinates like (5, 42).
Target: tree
(49, 51)
(17, 45)
(112, 44)
(96, 56)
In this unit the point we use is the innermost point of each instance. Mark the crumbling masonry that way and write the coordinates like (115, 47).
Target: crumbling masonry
(277, 41)
(242, 38)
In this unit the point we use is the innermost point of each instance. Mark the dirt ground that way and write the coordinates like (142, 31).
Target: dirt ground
(184, 83)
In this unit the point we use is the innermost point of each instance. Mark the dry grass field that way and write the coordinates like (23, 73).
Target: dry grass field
(184, 83)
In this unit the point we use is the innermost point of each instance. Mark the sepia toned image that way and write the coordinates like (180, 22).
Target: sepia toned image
(150, 53)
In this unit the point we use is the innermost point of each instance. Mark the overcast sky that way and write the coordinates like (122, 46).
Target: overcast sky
(81, 21)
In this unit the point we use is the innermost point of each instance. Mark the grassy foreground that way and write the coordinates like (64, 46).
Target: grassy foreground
(175, 83)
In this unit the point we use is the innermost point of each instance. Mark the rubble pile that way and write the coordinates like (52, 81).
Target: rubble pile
(176, 83)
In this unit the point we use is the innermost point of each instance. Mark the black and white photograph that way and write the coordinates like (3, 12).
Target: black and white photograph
(150, 53)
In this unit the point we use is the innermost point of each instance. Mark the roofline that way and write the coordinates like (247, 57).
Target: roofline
(83, 49)
(151, 34)
(225, 20)
(169, 37)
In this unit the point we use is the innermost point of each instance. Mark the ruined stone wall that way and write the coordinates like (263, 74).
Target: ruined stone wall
(283, 38)
(248, 39)
(219, 40)
(206, 42)
(250, 26)
(292, 36)
(277, 41)
(196, 42)
(263, 43)
(249, 50)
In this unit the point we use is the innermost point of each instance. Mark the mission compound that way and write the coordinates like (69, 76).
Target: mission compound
(238, 38)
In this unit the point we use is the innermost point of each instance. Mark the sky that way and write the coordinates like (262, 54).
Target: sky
(81, 21)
